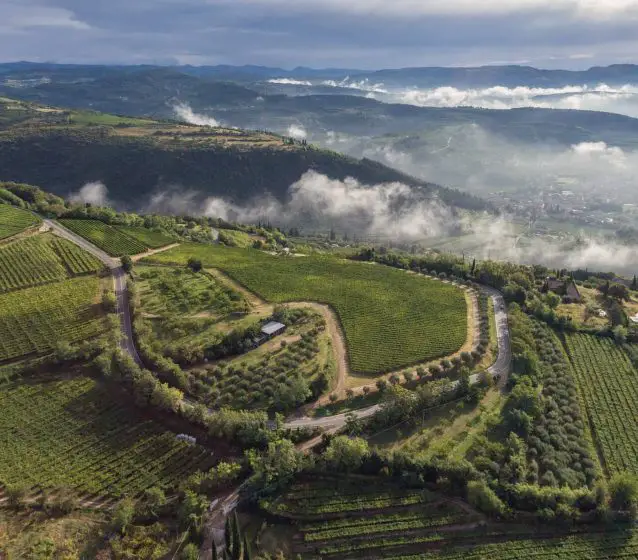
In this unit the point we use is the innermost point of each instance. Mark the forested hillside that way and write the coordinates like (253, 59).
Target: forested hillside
(61, 150)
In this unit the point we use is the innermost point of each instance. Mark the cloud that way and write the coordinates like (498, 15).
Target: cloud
(362, 85)
(297, 132)
(94, 193)
(622, 99)
(417, 8)
(289, 82)
(185, 113)
(19, 17)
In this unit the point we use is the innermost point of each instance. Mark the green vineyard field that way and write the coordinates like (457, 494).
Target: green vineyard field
(14, 220)
(71, 433)
(597, 546)
(151, 239)
(609, 385)
(29, 262)
(33, 320)
(106, 237)
(390, 318)
(41, 259)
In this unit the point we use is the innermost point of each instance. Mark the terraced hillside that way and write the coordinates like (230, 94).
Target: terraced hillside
(390, 318)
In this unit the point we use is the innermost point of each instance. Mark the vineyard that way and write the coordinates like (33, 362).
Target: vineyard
(151, 239)
(390, 318)
(35, 319)
(609, 385)
(364, 516)
(106, 237)
(596, 546)
(41, 259)
(29, 262)
(14, 220)
(76, 260)
(71, 433)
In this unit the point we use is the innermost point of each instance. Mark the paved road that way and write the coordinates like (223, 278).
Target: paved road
(119, 280)
(500, 369)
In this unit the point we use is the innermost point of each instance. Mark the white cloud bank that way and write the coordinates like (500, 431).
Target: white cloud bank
(94, 193)
(186, 113)
(297, 132)
(289, 82)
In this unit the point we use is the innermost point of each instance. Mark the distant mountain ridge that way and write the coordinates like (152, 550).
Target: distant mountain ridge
(480, 76)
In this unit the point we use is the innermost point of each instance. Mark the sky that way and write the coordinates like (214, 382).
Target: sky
(364, 34)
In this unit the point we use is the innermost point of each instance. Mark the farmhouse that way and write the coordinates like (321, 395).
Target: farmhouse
(566, 288)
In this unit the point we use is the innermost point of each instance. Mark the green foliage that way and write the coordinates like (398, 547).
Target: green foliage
(32, 320)
(148, 237)
(167, 291)
(370, 301)
(123, 515)
(623, 489)
(483, 498)
(278, 464)
(72, 433)
(609, 384)
(346, 454)
(15, 220)
(106, 237)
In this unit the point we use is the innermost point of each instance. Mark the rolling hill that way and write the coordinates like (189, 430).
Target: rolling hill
(63, 149)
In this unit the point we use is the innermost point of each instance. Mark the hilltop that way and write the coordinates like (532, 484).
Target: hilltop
(136, 157)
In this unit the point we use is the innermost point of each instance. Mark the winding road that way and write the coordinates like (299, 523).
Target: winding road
(499, 370)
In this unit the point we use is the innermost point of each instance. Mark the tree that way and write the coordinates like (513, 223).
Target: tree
(483, 498)
(127, 263)
(109, 303)
(619, 292)
(623, 489)
(154, 501)
(278, 464)
(123, 515)
(620, 335)
(191, 511)
(190, 552)
(166, 397)
(346, 454)
(194, 264)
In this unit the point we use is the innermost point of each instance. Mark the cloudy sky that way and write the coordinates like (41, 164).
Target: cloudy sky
(320, 33)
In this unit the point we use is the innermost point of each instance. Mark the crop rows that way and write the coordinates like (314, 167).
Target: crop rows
(349, 496)
(29, 262)
(14, 220)
(390, 318)
(609, 385)
(35, 319)
(106, 237)
(42, 259)
(71, 433)
(150, 238)
(413, 520)
(605, 546)
(77, 260)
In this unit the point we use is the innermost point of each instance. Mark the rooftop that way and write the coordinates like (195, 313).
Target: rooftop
(272, 327)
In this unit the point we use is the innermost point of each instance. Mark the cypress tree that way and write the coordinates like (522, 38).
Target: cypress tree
(228, 537)
(236, 539)
(247, 554)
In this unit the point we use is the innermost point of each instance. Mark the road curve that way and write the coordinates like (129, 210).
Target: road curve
(500, 369)
(127, 343)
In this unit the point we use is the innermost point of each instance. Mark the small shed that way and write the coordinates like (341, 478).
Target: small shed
(273, 328)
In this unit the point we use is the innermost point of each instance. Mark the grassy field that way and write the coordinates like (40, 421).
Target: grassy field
(33, 320)
(41, 259)
(179, 291)
(72, 433)
(14, 220)
(390, 319)
(609, 385)
(106, 237)
(151, 239)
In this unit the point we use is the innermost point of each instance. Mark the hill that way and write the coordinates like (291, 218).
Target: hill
(137, 157)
